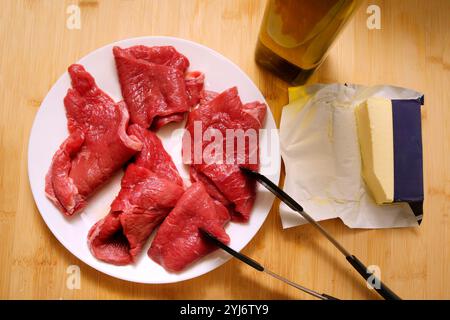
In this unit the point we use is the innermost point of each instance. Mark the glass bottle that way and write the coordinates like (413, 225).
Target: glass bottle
(295, 35)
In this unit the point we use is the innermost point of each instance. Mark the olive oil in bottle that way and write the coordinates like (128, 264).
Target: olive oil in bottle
(295, 35)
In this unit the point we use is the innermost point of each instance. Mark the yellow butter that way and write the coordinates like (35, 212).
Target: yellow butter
(375, 135)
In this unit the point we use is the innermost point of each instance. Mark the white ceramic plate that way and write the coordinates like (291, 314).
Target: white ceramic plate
(50, 129)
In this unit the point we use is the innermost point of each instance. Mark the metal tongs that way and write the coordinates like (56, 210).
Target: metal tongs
(252, 263)
(382, 289)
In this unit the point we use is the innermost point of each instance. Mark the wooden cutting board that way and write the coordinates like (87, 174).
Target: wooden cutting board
(412, 49)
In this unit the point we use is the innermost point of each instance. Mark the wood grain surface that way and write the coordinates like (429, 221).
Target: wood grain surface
(412, 49)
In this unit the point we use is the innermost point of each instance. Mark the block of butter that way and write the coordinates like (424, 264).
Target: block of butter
(390, 139)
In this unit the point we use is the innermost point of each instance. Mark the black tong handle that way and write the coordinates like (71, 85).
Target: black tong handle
(383, 289)
(252, 263)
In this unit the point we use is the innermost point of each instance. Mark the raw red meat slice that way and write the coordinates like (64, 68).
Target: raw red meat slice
(153, 156)
(154, 86)
(210, 187)
(143, 202)
(224, 181)
(59, 187)
(163, 55)
(178, 242)
(207, 95)
(150, 188)
(158, 122)
(98, 144)
(194, 86)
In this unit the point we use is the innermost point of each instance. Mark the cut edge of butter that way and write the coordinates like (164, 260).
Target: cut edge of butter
(375, 135)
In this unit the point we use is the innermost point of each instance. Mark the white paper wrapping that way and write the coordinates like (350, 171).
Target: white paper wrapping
(320, 150)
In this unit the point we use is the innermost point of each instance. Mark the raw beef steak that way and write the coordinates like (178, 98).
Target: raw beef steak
(155, 85)
(143, 202)
(223, 180)
(153, 156)
(150, 188)
(97, 146)
(178, 242)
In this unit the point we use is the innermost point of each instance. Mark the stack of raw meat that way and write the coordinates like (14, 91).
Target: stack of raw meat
(105, 136)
